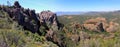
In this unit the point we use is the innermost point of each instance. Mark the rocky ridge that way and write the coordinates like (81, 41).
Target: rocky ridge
(29, 19)
(32, 21)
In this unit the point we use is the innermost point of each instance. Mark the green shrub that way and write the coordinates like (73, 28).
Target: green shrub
(12, 38)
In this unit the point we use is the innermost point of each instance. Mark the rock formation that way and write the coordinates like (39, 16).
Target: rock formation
(112, 27)
(29, 20)
(49, 19)
(24, 17)
(100, 24)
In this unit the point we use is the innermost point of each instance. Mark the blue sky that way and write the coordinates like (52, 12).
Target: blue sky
(68, 5)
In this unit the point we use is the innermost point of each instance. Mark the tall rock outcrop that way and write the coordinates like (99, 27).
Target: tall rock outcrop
(30, 20)
(49, 20)
(24, 17)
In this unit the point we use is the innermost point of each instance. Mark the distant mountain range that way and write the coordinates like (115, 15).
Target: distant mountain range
(79, 13)
(69, 13)
(86, 13)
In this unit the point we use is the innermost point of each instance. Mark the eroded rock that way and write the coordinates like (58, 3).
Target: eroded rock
(112, 27)
(100, 24)
(49, 19)
(24, 17)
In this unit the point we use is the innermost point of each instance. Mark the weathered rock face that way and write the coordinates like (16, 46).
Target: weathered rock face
(47, 16)
(49, 19)
(29, 20)
(24, 17)
(112, 27)
(100, 24)
(95, 24)
(96, 20)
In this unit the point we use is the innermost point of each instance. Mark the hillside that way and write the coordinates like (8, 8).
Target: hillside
(82, 17)
(21, 27)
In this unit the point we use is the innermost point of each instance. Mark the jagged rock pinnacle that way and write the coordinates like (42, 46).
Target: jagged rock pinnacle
(17, 5)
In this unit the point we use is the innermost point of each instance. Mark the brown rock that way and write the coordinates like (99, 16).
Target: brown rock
(96, 24)
(90, 26)
(96, 20)
(98, 27)
(100, 24)
(112, 27)
(48, 18)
